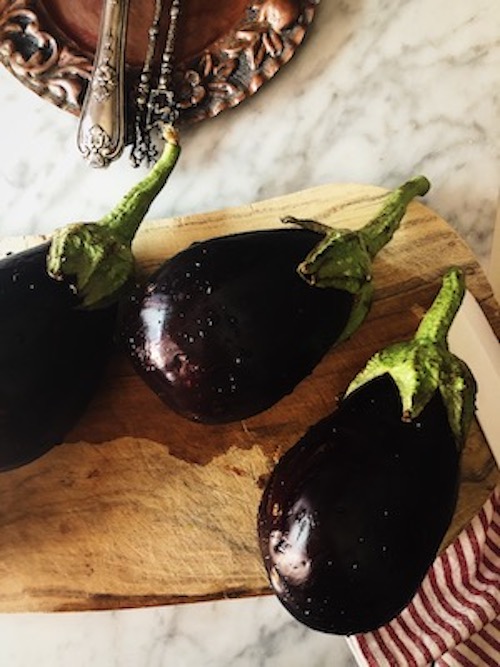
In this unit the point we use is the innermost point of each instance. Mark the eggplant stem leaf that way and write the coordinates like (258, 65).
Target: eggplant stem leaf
(96, 257)
(424, 365)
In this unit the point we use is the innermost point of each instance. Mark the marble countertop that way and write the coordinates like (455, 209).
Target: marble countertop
(380, 90)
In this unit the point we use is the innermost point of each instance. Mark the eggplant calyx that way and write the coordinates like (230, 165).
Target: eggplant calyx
(342, 259)
(424, 365)
(93, 261)
(96, 258)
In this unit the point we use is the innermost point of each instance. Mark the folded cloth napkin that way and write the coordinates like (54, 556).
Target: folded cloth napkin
(454, 619)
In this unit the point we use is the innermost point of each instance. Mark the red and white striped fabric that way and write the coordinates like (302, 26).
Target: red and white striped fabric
(454, 619)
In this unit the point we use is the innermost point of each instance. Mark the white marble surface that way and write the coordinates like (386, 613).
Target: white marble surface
(232, 633)
(382, 89)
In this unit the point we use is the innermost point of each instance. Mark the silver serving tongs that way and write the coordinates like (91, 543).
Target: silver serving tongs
(156, 106)
(101, 129)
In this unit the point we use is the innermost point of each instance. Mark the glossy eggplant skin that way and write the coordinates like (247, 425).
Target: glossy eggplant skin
(354, 514)
(52, 357)
(226, 328)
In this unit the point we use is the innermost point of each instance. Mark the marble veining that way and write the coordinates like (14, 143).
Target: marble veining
(380, 90)
(232, 633)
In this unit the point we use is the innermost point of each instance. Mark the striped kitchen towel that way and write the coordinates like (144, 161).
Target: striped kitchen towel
(454, 619)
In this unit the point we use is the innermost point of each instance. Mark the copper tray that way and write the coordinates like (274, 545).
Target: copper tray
(223, 55)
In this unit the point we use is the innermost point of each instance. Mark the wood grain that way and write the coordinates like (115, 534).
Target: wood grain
(141, 507)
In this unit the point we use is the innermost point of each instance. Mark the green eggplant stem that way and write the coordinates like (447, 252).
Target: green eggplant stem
(125, 219)
(342, 258)
(437, 321)
(380, 230)
(96, 258)
(424, 365)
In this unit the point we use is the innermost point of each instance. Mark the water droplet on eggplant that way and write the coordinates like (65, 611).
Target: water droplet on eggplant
(246, 323)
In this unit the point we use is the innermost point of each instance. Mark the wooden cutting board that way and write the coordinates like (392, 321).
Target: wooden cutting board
(141, 507)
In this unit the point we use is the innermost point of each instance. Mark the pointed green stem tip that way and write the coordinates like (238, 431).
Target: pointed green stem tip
(424, 365)
(96, 258)
(342, 259)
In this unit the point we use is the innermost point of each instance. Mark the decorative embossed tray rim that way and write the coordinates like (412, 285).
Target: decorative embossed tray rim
(224, 74)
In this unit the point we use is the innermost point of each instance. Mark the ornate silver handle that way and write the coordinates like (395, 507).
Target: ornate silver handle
(155, 106)
(101, 129)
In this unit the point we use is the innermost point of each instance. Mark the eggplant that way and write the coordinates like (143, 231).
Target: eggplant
(353, 514)
(229, 326)
(58, 310)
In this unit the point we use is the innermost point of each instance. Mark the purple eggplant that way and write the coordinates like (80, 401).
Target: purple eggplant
(353, 515)
(227, 327)
(58, 308)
